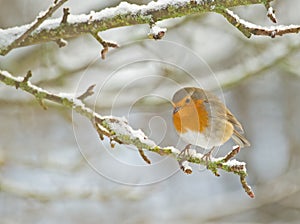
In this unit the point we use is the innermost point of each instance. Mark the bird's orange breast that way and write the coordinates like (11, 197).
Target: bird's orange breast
(192, 117)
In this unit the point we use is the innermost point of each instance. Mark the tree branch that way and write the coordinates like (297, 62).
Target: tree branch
(119, 131)
(39, 20)
(124, 14)
(65, 16)
(104, 43)
(87, 93)
(248, 28)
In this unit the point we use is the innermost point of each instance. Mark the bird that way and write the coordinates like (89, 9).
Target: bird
(201, 119)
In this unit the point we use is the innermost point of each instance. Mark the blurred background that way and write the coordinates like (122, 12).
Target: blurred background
(55, 169)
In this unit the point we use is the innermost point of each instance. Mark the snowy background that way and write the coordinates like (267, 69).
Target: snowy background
(55, 169)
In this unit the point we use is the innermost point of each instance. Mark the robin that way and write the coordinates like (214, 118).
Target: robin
(201, 119)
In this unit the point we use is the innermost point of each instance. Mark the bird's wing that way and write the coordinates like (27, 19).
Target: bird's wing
(218, 109)
(231, 118)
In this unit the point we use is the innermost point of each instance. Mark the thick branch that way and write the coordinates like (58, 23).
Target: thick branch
(118, 130)
(123, 15)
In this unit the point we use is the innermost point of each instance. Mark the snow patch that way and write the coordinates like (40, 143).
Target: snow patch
(11, 34)
(234, 162)
(8, 75)
(186, 167)
(155, 30)
(121, 127)
(173, 149)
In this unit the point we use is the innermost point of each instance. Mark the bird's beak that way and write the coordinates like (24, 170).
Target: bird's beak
(176, 109)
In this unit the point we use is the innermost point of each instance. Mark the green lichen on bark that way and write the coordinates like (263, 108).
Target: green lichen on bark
(39, 95)
(9, 81)
(106, 127)
(66, 102)
(147, 14)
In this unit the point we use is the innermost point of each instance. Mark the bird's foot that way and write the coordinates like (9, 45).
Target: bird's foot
(185, 152)
(183, 160)
(207, 156)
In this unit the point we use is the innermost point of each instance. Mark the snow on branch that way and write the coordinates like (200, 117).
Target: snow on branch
(126, 14)
(248, 28)
(156, 32)
(26, 32)
(119, 131)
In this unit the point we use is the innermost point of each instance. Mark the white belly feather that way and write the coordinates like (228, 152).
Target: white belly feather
(206, 142)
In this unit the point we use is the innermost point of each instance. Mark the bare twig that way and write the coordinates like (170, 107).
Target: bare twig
(27, 76)
(270, 12)
(118, 130)
(248, 28)
(41, 102)
(61, 42)
(235, 150)
(25, 79)
(105, 44)
(65, 15)
(40, 19)
(143, 155)
(185, 167)
(87, 93)
(247, 188)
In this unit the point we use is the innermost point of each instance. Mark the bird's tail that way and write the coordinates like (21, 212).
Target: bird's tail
(240, 139)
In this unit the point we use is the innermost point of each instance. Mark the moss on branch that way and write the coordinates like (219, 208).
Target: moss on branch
(123, 15)
(119, 131)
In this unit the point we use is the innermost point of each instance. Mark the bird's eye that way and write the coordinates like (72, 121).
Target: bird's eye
(188, 100)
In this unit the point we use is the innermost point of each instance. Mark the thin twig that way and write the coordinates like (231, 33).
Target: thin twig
(36, 24)
(87, 93)
(185, 167)
(105, 44)
(248, 28)
(230, 155)
(27, 76)
(61, 42)
(143, 155)
(66, 12)
(270, 12)
(246, 187)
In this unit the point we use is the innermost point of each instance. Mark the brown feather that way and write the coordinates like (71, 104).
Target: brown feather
(231, 118)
